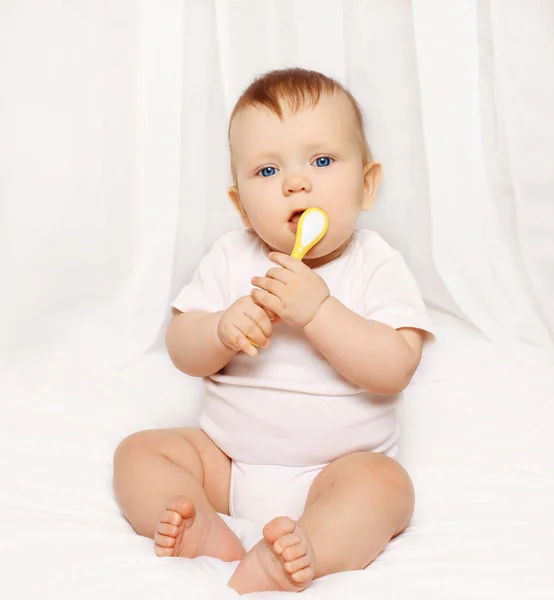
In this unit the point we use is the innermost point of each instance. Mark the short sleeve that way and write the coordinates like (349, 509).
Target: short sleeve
(393, 297)
(207, 289)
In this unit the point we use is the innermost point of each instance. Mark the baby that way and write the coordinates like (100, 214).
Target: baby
(304, 361)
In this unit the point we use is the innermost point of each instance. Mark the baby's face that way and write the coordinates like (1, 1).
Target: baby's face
(309, 159)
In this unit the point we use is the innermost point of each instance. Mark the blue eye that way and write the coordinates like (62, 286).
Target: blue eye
(323, 161)
(267, 171)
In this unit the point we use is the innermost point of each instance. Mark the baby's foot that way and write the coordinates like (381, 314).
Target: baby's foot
(283, 560)
(184, 530)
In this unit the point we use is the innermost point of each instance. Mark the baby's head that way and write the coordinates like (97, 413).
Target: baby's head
(297, 141)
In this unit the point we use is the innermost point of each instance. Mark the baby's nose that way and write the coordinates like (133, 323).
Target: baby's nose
(297, 183)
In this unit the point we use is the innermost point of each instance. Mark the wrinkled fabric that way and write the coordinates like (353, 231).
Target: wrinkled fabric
(113, 171)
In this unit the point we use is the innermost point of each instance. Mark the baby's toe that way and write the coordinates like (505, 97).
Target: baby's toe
(161, 551)
(181, 505)
(294, 552)
(171, 517)
(303, 575)
(298, 564)
(284, 542)
(165, 541)
(277, 528)
(167, 529)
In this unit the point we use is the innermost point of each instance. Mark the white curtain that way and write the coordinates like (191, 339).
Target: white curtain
(114, 159)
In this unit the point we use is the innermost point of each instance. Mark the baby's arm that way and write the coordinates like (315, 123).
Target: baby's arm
(370, 354)
(193, 344)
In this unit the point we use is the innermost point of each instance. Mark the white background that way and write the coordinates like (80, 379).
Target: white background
(113, 177)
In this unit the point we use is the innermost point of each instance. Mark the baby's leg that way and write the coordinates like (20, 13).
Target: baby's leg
(356, 505)
(170, 484)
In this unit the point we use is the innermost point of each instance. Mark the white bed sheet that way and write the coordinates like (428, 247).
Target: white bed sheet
(477, 442)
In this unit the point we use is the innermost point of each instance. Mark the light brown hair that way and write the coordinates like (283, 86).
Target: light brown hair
(296, 89)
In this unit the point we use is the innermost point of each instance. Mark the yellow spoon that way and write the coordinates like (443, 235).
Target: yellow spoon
(312, 226)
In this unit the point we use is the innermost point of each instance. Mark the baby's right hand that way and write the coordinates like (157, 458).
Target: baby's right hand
(245, 320)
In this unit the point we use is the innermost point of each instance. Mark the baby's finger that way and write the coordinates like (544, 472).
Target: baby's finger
(242, 343)
(270, 314)
(266, 300)
(286, 261)
(273, 317)
(280, 274)
(273, 286)
(260, 318)
(252, 331)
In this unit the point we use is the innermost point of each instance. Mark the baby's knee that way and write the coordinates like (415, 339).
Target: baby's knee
(397, 488)
(371, 470)
(132, 445)
(391, 475)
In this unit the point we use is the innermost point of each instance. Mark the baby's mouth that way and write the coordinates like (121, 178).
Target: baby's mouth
(293, 221)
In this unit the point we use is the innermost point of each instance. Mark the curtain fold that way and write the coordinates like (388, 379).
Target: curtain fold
(474, 254)
(114, 159)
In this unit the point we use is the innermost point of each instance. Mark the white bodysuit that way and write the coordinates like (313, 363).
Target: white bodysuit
(288, 406)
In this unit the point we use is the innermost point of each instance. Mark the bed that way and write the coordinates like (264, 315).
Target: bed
(477, 442)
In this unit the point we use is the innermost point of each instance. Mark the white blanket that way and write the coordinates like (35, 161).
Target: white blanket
(477, 442)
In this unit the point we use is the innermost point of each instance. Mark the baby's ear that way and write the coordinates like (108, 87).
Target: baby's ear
(233, 193)
(373, 174)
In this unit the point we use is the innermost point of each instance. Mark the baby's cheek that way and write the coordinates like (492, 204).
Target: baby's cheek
(264, 222)
(342, 223)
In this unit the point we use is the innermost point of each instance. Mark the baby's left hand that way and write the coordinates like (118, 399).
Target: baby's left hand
(293, 292)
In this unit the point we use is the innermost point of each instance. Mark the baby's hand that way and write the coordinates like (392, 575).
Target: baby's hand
(244, 320)
(294, 293)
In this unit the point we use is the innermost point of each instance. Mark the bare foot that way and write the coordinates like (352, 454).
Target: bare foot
(282, 560)
(183, 530)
